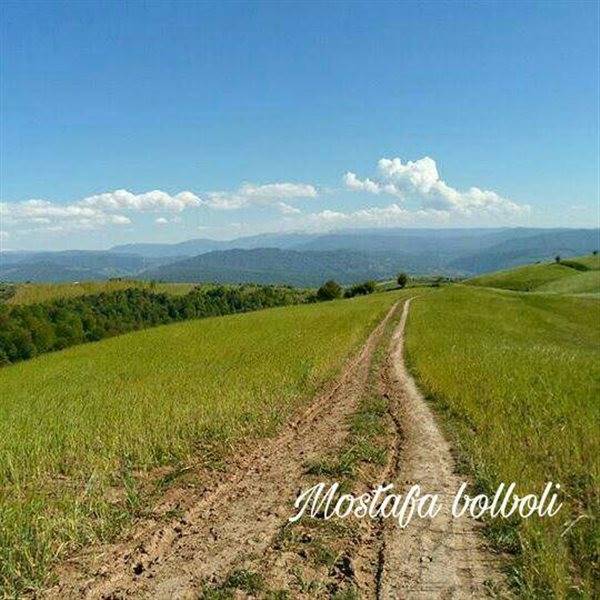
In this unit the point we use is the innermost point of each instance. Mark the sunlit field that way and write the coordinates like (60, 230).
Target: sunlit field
(79, 427)
(30, 293)
(565, 276)
(516, 377)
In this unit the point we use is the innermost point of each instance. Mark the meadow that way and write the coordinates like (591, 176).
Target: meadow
(575, 275)
(31, 293)
(516, 379)
(80, 428)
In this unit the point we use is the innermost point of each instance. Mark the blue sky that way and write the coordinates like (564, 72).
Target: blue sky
(158, 121)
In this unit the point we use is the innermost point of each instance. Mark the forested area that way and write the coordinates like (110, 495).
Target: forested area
(29, 330)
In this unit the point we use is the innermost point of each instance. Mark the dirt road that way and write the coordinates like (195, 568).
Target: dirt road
(230, 538)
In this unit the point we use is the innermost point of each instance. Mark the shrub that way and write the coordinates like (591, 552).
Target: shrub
(402, 280)
(330, 290)
(361, 289)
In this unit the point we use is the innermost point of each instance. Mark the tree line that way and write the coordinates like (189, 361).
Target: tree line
(31, 329)
(27, 330)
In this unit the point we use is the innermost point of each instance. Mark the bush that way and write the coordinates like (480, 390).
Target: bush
(402, 280)
(360, 289)
(330, 290)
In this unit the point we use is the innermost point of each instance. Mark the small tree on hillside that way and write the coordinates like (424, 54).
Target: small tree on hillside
(402, 280)
(595, 252)
(557, 258)
(330, 290)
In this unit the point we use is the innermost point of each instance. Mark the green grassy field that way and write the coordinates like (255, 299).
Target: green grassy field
(516, 377)
(79, 428)
(30, 293)
(563, 277)
(586, 282)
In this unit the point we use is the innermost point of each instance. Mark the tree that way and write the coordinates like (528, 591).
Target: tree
(595, 252)
(402, 280)
(330, 290)
(557, 258)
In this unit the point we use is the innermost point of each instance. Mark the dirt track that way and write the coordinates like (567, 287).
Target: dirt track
(237, 522)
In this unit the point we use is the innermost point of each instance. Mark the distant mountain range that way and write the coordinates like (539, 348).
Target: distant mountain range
(308, 259)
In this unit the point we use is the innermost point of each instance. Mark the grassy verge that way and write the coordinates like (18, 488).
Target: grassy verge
(516, 377)
(80, 427)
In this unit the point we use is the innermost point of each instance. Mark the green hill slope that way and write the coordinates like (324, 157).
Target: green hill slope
(575, 275)
(80, 428)
(516, 380)
(587, 282)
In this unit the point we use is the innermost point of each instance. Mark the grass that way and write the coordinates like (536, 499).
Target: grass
(80, 428)
(31, 293)
(586, 282)
(551, 277)
(516, 377)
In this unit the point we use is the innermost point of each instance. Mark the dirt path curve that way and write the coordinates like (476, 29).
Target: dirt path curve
(239, 518)
(432, 558)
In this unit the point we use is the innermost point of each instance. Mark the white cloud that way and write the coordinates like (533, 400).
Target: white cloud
(91, 212)
(286, 209)
(148, 201)
(262, 195)
(368, 185)
(392, 215)
(420, 180)
(161, 221)
(42, 215)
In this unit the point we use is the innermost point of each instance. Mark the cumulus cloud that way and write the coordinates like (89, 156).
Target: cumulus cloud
(287, 209)
(161, 221)
(420, 180)
(92, 212)
(148, 201)
(355, 184)
(392, 215)
(47, 216)
(262, 195)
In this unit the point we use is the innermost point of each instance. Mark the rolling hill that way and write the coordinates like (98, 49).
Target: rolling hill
(577, 275)
(272, 265)
(451, 252)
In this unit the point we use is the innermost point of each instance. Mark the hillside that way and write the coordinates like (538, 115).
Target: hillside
(576, 275)
(72, 265)
(82, 430)
(514, 378)
(30, 293)
(536, 245)
(272, 265)
(452, 252)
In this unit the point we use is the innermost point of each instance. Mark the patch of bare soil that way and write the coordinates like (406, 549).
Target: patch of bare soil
(233, 540)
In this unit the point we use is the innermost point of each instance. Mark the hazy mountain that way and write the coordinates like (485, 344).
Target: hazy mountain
(72, 265)
(519, 251)
(273, 265)
(352, 254)
(181, 249)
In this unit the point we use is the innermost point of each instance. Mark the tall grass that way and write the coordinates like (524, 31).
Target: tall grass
(517, 379)
(31, 293)
(79, 425)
